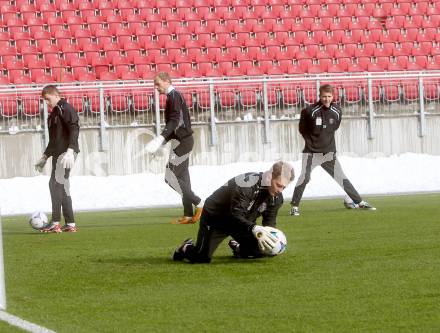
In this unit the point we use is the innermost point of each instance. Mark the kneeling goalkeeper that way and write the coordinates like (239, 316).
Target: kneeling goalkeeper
(232, 210)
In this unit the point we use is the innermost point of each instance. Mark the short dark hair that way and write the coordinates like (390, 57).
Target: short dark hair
(283, 169)
(50, 90)
(326, 88)
(164, 76)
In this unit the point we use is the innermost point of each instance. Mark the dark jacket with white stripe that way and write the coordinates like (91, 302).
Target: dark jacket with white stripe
(63, 125)
(177, 118)
(318, 125)
(237, 204)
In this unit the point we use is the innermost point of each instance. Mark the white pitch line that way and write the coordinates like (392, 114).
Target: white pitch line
(23, 324)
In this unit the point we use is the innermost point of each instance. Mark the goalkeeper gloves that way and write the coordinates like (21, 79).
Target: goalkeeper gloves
(68, 159)
(161, 152)
(154, 144)
(266, 241)
(41, 163)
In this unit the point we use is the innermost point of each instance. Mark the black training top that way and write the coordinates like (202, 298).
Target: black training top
(318, 125)
(63, 129)
(177, 119)
(241, 201)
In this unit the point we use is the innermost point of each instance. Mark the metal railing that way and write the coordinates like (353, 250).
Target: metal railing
(211, 101)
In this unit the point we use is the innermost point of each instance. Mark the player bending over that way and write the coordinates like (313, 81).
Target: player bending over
(232, 210)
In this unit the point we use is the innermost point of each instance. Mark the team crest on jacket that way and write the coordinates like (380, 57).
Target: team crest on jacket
(262, 207)
(332, 121)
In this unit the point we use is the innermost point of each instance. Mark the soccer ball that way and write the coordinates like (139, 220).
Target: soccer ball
(281, 243)
(38, 220)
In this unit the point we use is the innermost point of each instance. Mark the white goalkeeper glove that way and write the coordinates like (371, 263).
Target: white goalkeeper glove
(266, 241)
(68, 159)
(41, 163)
(154, 144)
(160, 152)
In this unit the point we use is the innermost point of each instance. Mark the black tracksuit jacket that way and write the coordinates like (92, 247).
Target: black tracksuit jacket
(63, 129)
(239, 203)
(318, 125)
(177, 118)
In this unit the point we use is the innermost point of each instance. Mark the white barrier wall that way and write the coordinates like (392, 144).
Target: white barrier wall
(237, 142)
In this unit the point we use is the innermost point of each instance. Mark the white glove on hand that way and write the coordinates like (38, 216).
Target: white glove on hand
(41, 163)
(160, 152)
(266, 241)
(154, 144)
(68, 159)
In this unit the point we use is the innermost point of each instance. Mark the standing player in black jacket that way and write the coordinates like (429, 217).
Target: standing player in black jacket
(318, 124)
(178, 129)
(63, 147)
(233, 209)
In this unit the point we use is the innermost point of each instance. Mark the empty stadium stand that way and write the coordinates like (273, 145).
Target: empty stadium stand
(123, 41)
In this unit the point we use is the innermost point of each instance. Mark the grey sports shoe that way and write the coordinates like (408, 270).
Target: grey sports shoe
(350, 205)
(365, 205)
(294, 211)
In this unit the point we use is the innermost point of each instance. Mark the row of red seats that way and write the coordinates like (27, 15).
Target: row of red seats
(221, 34)
(322, 23)
(124, 71)
(425, 51)
(240, 96)
(322, 9)
(61, 4)
(427, 41)
(283, 22)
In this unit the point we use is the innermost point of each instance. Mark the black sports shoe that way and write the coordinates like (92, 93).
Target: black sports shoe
(179, 254)
(235, 247)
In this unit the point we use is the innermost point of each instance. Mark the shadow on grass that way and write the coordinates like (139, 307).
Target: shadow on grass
(139, 261)
(150, 260)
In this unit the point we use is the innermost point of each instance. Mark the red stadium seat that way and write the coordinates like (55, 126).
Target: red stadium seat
(30, 104)
(433, 63)
(107, 76)
(8, 105)
(289, 95)
(86, 77)
(43, 79)
(77, 71)
(118, 100)
(76, 99)
(351, 93)
(227, 97)
(431, 90)
(365, 50)
(93, 103)
(410, 90)
(203, 99)
(375, 92)
(309, 93)
(36, 63)
(142, 99)
(248, 96)
(391, 92)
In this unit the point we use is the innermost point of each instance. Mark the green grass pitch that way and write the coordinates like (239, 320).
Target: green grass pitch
(344, 271)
